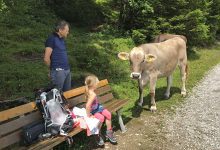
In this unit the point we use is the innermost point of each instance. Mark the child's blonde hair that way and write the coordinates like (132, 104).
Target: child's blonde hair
(90, 81)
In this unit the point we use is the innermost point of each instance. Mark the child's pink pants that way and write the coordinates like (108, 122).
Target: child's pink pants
(102, 115)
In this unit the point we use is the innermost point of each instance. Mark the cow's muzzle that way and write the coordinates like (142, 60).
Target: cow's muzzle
(135, 75)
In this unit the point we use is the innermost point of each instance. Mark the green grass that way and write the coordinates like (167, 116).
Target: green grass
(21, 57)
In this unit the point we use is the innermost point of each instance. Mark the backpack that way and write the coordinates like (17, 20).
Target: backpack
(51, 104)
(32, 131)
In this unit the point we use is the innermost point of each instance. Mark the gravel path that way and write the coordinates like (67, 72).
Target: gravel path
(196, 125)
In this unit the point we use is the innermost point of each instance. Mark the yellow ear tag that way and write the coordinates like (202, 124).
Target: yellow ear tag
(150, 58)
(123, 56)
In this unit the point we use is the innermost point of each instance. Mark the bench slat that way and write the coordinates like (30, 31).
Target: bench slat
(105, 98)
(119, 104)
(77, 100)
(50, 143)
(103, 90)
(19, 122)
(111, 104)
(81, 99)
(81, 90)
(17, 111)
(10, 139)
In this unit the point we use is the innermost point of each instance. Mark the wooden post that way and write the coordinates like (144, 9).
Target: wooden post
(123, 128)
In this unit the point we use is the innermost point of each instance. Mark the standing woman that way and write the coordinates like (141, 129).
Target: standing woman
(55, 57)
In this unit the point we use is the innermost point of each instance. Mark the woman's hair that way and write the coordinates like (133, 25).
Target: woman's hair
(90, 81)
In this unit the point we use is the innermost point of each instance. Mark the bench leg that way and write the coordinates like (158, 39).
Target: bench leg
(123, 128)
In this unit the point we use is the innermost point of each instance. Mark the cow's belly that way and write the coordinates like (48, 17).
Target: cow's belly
(166, 70)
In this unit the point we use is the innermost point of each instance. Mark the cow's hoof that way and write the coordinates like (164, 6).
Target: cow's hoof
(166, 96)
(140, 104)
(183, 94)
(153, 108)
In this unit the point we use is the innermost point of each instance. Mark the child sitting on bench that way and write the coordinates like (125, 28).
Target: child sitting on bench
(95, 109)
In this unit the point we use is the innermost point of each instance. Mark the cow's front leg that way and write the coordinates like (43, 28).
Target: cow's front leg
(169, 83)
(153, 81)
(141, 83)
(141, 87)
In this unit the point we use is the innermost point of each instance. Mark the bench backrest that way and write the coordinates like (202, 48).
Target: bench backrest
(12, 120)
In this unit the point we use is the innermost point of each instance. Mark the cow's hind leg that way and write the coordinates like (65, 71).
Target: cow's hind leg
(169, 84)
(183, 67)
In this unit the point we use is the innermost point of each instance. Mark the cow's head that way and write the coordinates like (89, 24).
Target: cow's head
(137, 59)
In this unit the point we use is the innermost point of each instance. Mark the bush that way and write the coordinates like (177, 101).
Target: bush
(198, 31)
(81, 12)
(198, 20)
(138, 36)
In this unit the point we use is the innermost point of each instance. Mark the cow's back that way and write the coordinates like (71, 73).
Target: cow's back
(168, 54)
(164, 37)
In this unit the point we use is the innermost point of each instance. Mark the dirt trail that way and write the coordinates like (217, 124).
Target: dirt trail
(194, 126)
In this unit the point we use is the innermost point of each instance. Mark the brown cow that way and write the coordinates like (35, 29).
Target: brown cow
(164, 37)
(155, 60)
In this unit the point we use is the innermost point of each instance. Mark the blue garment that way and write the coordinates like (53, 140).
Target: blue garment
(96, 107)
(62, 79)
(58, 57)
(100, 108)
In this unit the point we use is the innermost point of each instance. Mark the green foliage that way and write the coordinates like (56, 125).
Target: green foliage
(2, 5)
(214, 20)
(26, 13)
(138, 36)
(197, 20)
(81, 12)
(97, 54)
(133, 12)
(109, 10)
(24, 24)
(198, 31)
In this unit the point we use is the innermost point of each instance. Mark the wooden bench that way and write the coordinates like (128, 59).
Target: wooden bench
(12, 120)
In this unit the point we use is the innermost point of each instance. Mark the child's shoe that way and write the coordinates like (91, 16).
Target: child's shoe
(109, 135)
(100, 140)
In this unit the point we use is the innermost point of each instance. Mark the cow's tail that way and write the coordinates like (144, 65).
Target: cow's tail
(187, 71)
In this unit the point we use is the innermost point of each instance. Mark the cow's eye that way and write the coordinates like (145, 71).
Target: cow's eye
(142, 61)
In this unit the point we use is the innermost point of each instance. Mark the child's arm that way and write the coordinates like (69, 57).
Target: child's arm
(89, 103)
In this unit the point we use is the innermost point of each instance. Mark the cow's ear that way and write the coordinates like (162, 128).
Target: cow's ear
(123, 56)
(150, 58)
